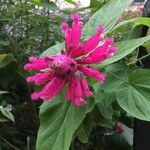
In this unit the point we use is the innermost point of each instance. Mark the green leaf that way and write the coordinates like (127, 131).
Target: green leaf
(108, 15)
(101, 120)
(82, 135)
(133, 97)
(147, 45)
(124, 49)
(105, 110)
(58, 122)
(115, 75)
(135, 21)
(5, 59)
(54, 49)
(140, 80)
(90, 105)
(98, 96)
(5, 115)
(96, 4)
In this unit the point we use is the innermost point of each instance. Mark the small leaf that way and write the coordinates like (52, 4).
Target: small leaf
(101, 120)
(5, 115)
(82, 135)
(90, 105)
(106, 111)
(5, 59)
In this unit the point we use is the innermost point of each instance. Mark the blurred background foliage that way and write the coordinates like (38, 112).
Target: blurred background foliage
(28, 27)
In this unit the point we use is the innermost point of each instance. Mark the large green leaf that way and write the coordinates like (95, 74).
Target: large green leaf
(5, 59)
(115, 75)
(108, 15)
(140, 80)
(54, 49)
(124, 49)
(134, 96)
(135, 21)
(58, 122)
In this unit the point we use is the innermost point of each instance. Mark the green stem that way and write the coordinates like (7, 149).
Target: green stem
(139, 59)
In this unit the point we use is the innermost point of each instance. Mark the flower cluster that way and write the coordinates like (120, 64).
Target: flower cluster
(71, 66)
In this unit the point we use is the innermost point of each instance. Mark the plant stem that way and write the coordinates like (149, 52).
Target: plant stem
(139, 59)
(14, 147)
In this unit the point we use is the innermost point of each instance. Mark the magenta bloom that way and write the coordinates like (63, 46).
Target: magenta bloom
(71, 66)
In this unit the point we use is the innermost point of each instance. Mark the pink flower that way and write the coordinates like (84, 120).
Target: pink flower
(120, 128)
(71, 65)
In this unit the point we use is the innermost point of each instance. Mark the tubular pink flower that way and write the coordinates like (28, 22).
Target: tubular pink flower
(40, 78)
(70, 92)
(35, 66)
(85, 88)
(76, 31)
(52, 88)
(93, 41)
(68, 32)
(79, 102)
(69, 66)
(100, 53)
(35, 96)
(92, 72)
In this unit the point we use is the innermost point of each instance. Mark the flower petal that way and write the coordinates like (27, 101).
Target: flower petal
(52, 88)
(33, 59)
(76, 34)
(93, 41)
(68, 32)
(77, 88)
(85, 88)
(35, 66)
(92, 72)
(79, 101)
(100, 53)
(37, 63)
(40, 78)
(70, 93)
(35, 96)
